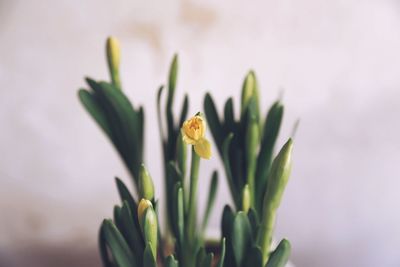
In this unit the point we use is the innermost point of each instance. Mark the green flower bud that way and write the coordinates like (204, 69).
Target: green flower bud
(246, 200)
(277, 180)
(146, 185)
(250, 89)
(142, 207)
(150, 228)
(113, 59)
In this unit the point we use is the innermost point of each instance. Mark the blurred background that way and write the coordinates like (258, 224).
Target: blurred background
(336, 63)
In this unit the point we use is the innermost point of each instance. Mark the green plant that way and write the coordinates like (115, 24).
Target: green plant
(246, 145)
(124, 125)
(249, 237)
(133, 236)
(115, 114)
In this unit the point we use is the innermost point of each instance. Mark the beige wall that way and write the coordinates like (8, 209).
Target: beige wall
(337, 63)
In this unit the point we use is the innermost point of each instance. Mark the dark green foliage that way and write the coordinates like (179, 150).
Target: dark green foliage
(122, 123)
(245, 145)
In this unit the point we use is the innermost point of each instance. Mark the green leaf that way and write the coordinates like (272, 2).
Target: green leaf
(179, 215)
(171, 262)
(227, 166)
(254, 258)
(204, 259)
(149, 260)
(125, 195)
(281, 254)
(131, 230)
(184, 111)
(241, 237)
(181, 152)
(173, 73)
(118, 246)
(254, 221)
(229, 116)
(211, 199)
(270, 133)
(92, 106)
(222, 254)
(226, 229)
(214, 123)
(160, 126)
(105, 257)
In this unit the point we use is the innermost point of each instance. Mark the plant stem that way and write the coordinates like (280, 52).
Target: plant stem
(191, 215)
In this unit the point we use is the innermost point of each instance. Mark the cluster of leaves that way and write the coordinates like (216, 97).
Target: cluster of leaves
(246, 145)
(133, 238)
(116, 116)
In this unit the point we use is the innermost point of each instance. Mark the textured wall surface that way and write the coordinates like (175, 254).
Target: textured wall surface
(336, 62)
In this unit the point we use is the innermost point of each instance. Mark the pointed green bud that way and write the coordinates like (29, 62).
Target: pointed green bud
(113, 59)
(150, 228)
(146, 185)
(249, 90)
(246, 200)
(277, 180)
(279, 176)
(252, 140)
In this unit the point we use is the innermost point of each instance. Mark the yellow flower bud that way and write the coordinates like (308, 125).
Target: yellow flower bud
(143, 205)
(193, 131)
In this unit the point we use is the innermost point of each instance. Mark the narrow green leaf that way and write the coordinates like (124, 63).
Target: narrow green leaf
(281, 254)
(254, 258)
(270, 133)
(125, 195)
(222, 254)
(92, 106)
(213, 120)
(229, 116)
(173, 73)
(131, 230)
(227, 165)
(254, 221)
(171, 262)
(118, 246)
(105, 257)
(159, 116)
(184, 110)
(149, 260)
(211, 199)
(241, 237)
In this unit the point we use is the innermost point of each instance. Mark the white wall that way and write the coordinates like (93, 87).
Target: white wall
(337, 62)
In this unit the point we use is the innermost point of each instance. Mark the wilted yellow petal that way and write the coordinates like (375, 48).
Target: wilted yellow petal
(203, 148)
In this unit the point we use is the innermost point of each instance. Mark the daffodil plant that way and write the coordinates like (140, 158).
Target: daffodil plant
(124, 125)
(256, 181)
(133, 237)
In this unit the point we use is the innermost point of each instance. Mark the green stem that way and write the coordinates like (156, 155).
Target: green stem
(194, 176)
(266, 230)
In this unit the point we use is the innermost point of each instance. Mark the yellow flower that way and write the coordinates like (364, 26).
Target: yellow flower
(193, 131)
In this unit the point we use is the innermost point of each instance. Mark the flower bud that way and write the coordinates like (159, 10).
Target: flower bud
(150, 229)
(146, 186)
(249, 90)
(143, 205)
(113, 59)
(246, 199)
